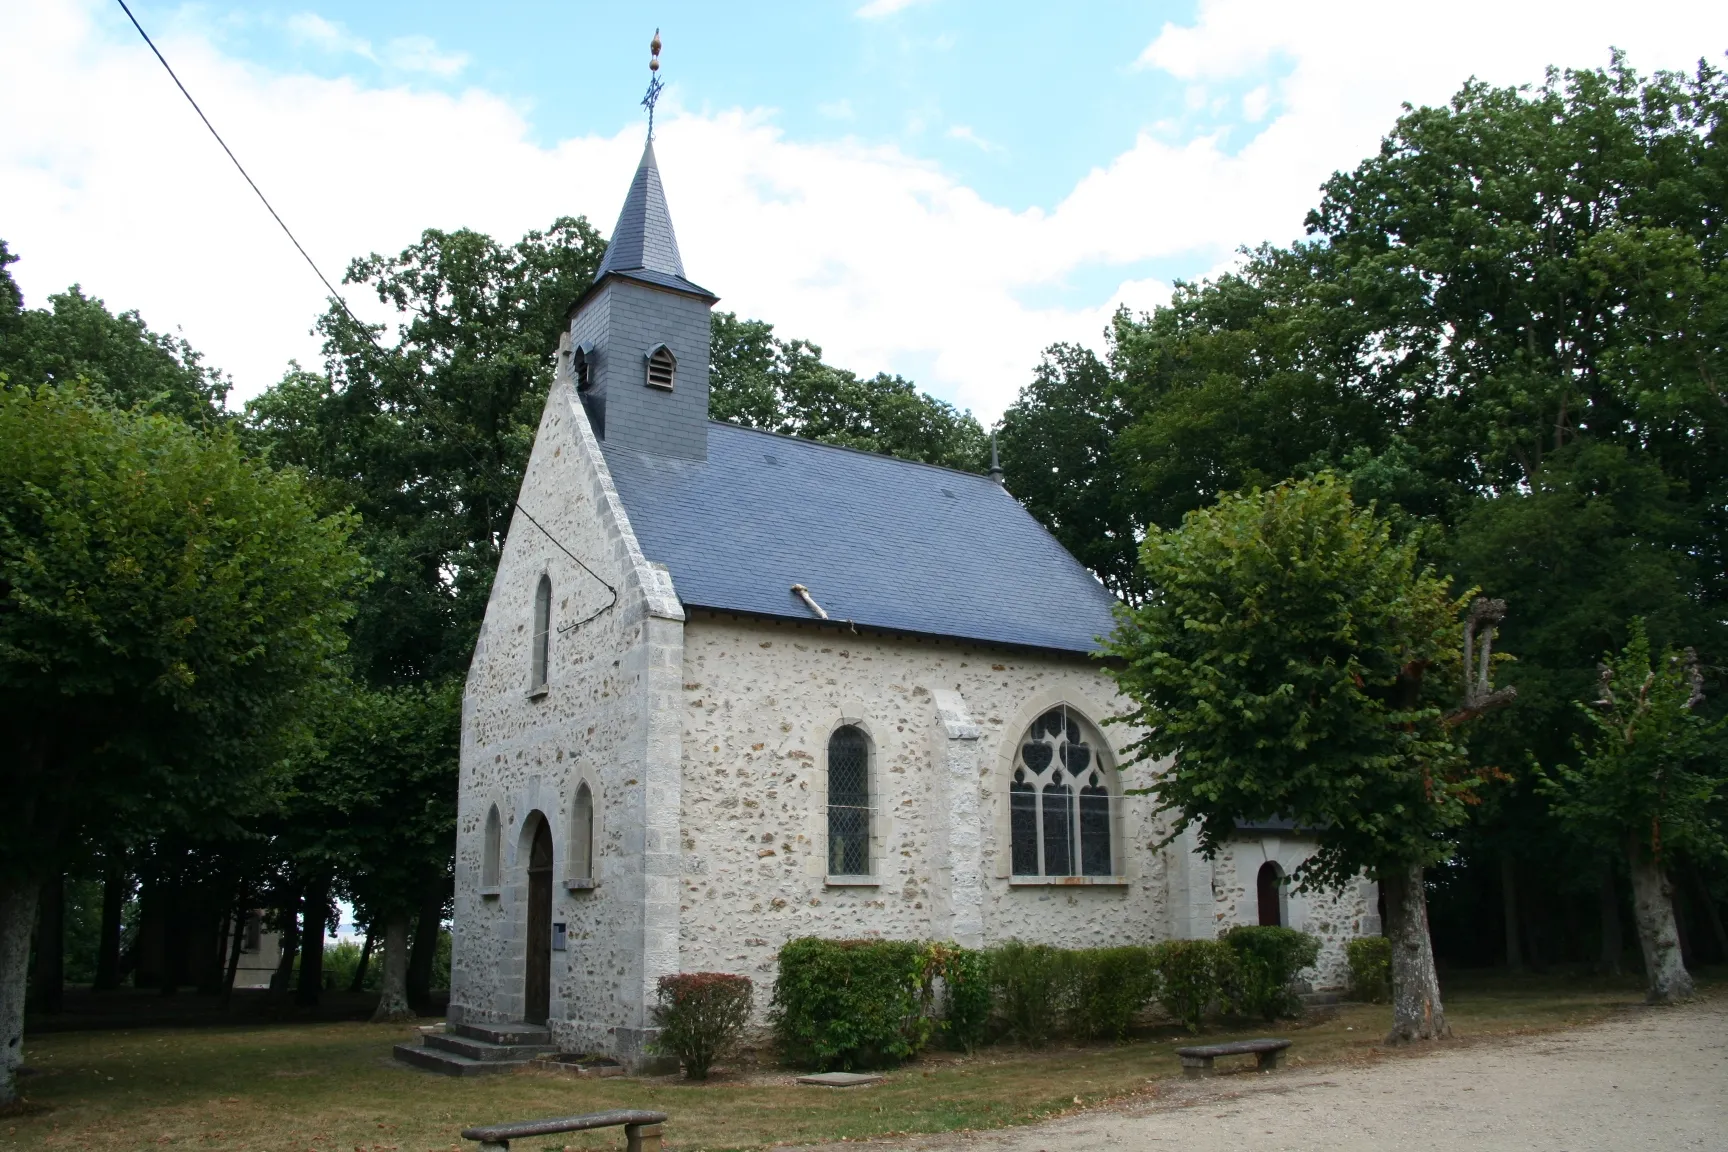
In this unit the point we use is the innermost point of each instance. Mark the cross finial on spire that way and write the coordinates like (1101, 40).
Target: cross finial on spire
(654, 82)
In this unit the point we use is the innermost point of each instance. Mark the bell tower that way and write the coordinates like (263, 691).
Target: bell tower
(640, 333)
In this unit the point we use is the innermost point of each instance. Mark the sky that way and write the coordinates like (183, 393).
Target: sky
(930, 187)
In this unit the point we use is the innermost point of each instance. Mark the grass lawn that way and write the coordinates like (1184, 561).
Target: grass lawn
(333, 1087)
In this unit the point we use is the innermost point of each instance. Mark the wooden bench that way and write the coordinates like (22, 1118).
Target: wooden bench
(1198, 1061)
(641, 1129)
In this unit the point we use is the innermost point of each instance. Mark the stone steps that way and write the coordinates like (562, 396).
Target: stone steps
(477, 1049)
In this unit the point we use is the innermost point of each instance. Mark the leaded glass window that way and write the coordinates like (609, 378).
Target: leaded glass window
(1059, 815)
(848, 802)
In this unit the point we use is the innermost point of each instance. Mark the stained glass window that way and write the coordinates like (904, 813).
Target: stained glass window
(1059, 801)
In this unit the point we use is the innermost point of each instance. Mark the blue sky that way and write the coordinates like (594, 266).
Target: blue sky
(937, 188)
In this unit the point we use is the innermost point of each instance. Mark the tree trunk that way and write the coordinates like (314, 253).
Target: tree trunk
(113, 910)
(358, 984)
(393, 998)
(312, 943)
(235, 944)
(1608, 911)
(426, 944)
(17, 918)
(283, 977)
(1653, 912)
(1509, 912)
(49, 994)
(1417, 1013)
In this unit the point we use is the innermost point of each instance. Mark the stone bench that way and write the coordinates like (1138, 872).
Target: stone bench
(641, 1129)
(1198, 1061)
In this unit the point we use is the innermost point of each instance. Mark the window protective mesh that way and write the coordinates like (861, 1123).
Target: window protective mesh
(848, 803)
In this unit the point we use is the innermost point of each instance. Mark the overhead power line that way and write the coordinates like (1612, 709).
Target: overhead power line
(426, 401)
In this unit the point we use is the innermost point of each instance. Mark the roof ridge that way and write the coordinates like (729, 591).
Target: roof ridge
(855, 451)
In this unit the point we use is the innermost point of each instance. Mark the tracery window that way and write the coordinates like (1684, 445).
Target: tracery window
(848, 802)
(1059, 800)
(542, 634)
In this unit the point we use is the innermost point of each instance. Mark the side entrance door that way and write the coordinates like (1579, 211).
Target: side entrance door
(537, 994)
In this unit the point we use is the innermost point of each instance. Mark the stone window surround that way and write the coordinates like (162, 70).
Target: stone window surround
(851, 714)
(539, 691)
(1013, 733)
(492, 851)
(584, 774)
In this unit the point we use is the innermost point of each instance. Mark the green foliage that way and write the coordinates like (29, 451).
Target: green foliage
(850, 1003)
(1033, 989)
(760, 381)
(117, 359)
(1110, 987)
(1653, 769)
(343, 958)
(1281, 663)
(166, 606)
(1370, 960)
(1193, 975)
(965, 976)
(701, 1016)
(1267, 961)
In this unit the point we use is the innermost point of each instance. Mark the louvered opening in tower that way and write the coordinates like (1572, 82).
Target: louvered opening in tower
(661, 367)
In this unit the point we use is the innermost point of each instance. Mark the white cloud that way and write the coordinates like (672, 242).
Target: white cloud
(311, 28)
(883, 258)
(876, 9)
(965, 132)
(421, 54)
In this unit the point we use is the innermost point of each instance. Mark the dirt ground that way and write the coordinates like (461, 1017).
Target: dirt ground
(1649, 1078)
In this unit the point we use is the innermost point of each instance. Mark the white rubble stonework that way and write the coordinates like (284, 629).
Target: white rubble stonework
(674, 752)
(703, 741)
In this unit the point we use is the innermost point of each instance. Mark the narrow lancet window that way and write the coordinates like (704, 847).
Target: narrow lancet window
(582, 835)
(848, 802)
(542, 635)
(491, 849)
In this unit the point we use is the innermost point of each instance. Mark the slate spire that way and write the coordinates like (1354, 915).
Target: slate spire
(643, 239)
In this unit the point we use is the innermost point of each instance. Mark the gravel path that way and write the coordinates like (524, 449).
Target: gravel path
(1654, 1079)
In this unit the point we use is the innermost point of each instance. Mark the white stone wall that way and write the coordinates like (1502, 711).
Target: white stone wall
(603, 719)
(760, 700)
(1335, 917)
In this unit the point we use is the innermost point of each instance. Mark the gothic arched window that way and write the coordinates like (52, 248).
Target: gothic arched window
(491, 850)
(848, 802)
(1059, 800)
(582, 834)
(542, 634)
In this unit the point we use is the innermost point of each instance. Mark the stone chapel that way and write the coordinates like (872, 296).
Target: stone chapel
(735, 688)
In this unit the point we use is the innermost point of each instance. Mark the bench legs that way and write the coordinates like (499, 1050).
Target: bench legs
(1269, 1061)
(641, 1138)
(1196, 1066)
(494, 1146)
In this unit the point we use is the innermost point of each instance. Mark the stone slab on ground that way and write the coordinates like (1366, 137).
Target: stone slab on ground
(842, 1079)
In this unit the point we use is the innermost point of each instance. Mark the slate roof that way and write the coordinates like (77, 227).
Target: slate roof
(878, 541)
(643, 245)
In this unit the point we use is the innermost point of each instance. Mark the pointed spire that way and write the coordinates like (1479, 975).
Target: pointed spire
(996, 473)
(643, 239)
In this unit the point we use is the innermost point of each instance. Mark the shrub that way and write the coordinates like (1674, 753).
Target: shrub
(1267, 960)
(1110, 985)
(1192, 975)
(965, 975)
(850, 1003)
(701, 1015)
(1370, 968)
(1033, 984)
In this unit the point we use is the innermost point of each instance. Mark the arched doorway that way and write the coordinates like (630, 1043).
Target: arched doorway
(537, 985)
(1269, 886)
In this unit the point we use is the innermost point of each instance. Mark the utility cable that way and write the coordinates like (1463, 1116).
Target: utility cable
(425, 400)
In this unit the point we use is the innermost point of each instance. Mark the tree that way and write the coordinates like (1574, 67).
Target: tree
(1296, 660)
(118, 358)
(165, 604)
(1650, 782)
(760, 381)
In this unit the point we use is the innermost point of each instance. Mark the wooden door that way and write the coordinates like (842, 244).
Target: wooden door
(537, 992)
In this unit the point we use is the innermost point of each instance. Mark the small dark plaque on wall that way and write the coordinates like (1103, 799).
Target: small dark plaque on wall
(559, 937)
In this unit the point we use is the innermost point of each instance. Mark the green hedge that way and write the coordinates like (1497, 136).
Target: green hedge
(1266, 961)
(1370, 968)
(851, 1003)
(1192, 977)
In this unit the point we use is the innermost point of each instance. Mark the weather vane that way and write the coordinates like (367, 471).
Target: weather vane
(654, 82)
